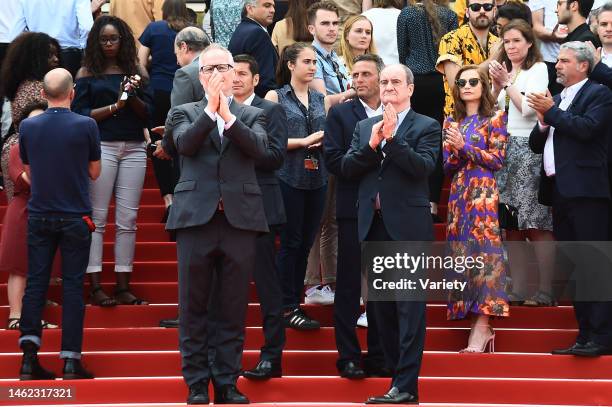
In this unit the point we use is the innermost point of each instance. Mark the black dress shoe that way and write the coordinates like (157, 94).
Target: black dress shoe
(32, 370)
(74, 370)
(169, 323)
(394, 396)
(568, 351)
(229, 394)
(265, 369)
(198, 394)
(352, 370)
(592, 349)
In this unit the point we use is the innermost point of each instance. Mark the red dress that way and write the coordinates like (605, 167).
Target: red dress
(14, 244)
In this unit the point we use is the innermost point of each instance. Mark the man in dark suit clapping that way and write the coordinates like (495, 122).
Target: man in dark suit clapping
(339, 128)
(265, 274)
(572, 135)
(393, 156)
(217, 214)
(251, 37)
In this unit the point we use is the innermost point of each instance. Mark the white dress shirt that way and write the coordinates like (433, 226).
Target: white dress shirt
(371, 112)
(567, 97)
(249, 100)
(68, 21)
(8, 15)
(606, 58)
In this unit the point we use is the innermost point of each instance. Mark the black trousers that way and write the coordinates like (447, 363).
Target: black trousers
(428, 99)
(167, 172)
(401, 326)
(346, 302)
(200, 249)
(585, 219)
(267, 282)
(70, 59)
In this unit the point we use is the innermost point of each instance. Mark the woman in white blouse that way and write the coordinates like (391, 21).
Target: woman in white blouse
(384, 21)
(518, 72)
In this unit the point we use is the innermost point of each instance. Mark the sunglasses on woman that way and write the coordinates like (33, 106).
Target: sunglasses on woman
(462, 82)
(475, 7)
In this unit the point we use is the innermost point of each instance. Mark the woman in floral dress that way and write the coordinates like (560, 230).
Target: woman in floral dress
(474, 148)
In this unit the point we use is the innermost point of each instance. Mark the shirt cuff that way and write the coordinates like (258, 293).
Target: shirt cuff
(230, 122)
(213, 116)
(542, 127)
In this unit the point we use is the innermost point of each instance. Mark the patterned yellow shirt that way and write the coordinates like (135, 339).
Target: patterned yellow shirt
(461, 47)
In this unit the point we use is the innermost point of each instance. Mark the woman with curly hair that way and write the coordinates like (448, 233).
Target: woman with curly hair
(110, 89)
(474, 149)
(29, 57)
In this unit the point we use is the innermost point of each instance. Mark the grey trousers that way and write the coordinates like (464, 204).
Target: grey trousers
(124, 164)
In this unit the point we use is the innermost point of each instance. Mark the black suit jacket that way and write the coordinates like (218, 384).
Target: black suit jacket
(401, 178)
(580, 145)
(212, 170)
(250, 38)
(339, 128)
(266, 167)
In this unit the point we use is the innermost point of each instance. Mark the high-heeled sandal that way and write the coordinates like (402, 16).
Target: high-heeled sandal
(487, 343)
(13, 324)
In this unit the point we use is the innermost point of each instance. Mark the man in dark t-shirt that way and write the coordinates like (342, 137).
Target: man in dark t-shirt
(574, 13)
(61, 153)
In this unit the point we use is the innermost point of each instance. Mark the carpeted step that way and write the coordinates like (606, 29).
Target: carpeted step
(334, 389)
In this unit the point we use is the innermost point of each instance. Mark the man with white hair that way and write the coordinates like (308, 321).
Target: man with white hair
(392, 156)
(217, 214)
(572, 134)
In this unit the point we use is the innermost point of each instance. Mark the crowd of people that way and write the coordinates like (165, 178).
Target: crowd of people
(335, 124)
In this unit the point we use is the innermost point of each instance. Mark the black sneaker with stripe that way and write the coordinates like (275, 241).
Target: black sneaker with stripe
(297, 319)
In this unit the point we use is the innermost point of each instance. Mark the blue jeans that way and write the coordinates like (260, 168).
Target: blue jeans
(45, 235)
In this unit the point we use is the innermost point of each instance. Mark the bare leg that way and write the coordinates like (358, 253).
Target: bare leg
(518, 263)
(15, 288)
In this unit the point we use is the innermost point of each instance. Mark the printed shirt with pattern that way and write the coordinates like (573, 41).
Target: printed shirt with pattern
(461, 47)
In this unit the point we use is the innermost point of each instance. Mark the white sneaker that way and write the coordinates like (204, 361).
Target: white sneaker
(363, 320)
(320, 295)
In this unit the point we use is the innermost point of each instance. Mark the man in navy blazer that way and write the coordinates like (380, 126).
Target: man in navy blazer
(572, 135)
(251, 37)
(339, 128)
(392, 156)
(265, 274)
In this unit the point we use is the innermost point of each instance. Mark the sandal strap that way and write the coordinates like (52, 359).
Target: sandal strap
(13, 323)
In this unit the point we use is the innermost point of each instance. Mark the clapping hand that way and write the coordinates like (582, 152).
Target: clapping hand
(389, 121)
(541, 103)
(499, 74)
(215, 84)
(454, 138)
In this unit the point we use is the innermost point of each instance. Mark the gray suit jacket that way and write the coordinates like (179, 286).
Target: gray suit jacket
(212, 171)
(186, 88)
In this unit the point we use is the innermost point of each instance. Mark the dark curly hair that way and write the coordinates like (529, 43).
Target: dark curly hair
(30, 107)
(27, 58)
(95, 60)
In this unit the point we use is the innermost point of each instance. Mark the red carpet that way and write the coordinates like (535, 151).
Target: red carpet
(137, 362)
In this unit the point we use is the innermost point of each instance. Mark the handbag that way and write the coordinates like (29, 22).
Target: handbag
(507, 214)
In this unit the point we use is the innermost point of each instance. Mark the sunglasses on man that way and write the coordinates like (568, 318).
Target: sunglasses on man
(475, 7)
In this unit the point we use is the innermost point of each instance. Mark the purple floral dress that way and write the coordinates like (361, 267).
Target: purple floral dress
(473, 227)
